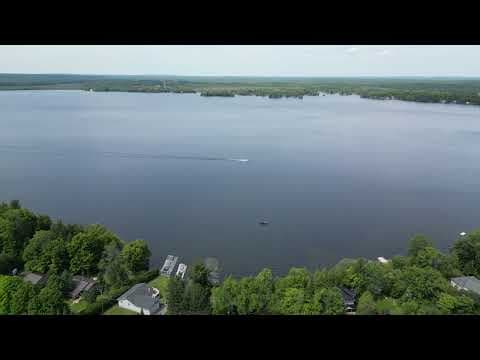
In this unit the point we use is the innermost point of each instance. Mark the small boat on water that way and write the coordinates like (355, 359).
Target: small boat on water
(263, 223)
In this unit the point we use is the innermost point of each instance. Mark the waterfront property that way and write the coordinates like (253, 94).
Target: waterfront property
(466, 283)
(169, 265)
(349, 298)
(141, 298)
(34, 278)
(81, 284)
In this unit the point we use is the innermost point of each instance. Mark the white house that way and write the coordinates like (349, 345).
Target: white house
(140, 298)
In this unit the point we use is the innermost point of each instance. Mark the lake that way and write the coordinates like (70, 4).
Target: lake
(335, 176)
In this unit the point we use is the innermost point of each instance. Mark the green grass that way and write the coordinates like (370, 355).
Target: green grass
(116, 310)
(78, 307)
(161, 283)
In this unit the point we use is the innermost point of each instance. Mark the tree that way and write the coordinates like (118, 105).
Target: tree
(8, 286)
(90, 296)
(50, 299)
(15, 204)
(449, 304)
(366, 304)
(261, 290)
(223, 298)
(417, 243)
(467, 250)
(22, 297)
(423, 284)
(199, 273)
(43, 222)
(136, 256)
(388, 306)
(86, 249)
(7, 264)
(17, 226)
(196, 298)
(327, 301)
(34, 253)
(176, 289)
(292, 302)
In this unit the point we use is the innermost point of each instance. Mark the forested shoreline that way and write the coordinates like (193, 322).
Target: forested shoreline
(427, 90)
(417, 283)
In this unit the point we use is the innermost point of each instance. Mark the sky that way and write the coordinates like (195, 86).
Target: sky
(244, 60)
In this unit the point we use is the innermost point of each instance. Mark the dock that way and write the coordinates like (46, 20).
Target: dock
(169, 265)
(182, 268)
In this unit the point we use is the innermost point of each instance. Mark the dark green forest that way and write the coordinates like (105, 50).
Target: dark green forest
(428, 90)
(416, 283)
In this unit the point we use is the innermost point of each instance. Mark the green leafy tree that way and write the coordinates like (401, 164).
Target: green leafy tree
(423, 284)
(199, 273)
(7, 264)
(8, 286)
(223, 298)
(21, 298)
(327, 301)
(388, 306)
(417, 243)
(366, 304)
(34, 254)
(86, 249)
(136, 256)
(16, 228)
(449, 304)
(196, 298)
(43, 223)
(175, 296)
(467, 251)
(292, 302)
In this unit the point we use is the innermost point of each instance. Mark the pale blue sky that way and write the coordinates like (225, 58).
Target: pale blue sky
(259, 60)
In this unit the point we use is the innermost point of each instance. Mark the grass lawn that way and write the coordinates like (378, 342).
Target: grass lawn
(116, 310)
(76, 308)
(161, 283)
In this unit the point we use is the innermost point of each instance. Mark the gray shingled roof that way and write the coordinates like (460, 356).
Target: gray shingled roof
(140, 295)
(33, 278)
(468, 282)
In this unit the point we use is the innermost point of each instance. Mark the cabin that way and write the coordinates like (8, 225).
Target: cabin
(141, 299)
(81, 284)
(34, 278)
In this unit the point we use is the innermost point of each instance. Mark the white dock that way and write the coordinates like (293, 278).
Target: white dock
(168, 266)
(182, 268)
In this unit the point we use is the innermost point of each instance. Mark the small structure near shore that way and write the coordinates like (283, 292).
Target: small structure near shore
(182, 268)
(169, 265)
(213, 265)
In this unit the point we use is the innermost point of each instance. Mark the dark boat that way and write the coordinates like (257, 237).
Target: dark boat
(264, 223)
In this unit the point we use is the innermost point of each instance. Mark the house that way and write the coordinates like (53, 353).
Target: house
(34, 278)
(140, 298)
(466, 283)
(81, 284)
(349, 298)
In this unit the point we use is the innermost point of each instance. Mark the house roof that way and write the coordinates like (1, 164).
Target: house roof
(81, 284)
(33, 277)
(140, 295)
(348, 295)
(468, 282)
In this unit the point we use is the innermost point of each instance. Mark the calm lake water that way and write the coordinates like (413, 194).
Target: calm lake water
(335, 176)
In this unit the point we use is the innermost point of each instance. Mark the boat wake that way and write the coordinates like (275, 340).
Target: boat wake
(20, 149)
